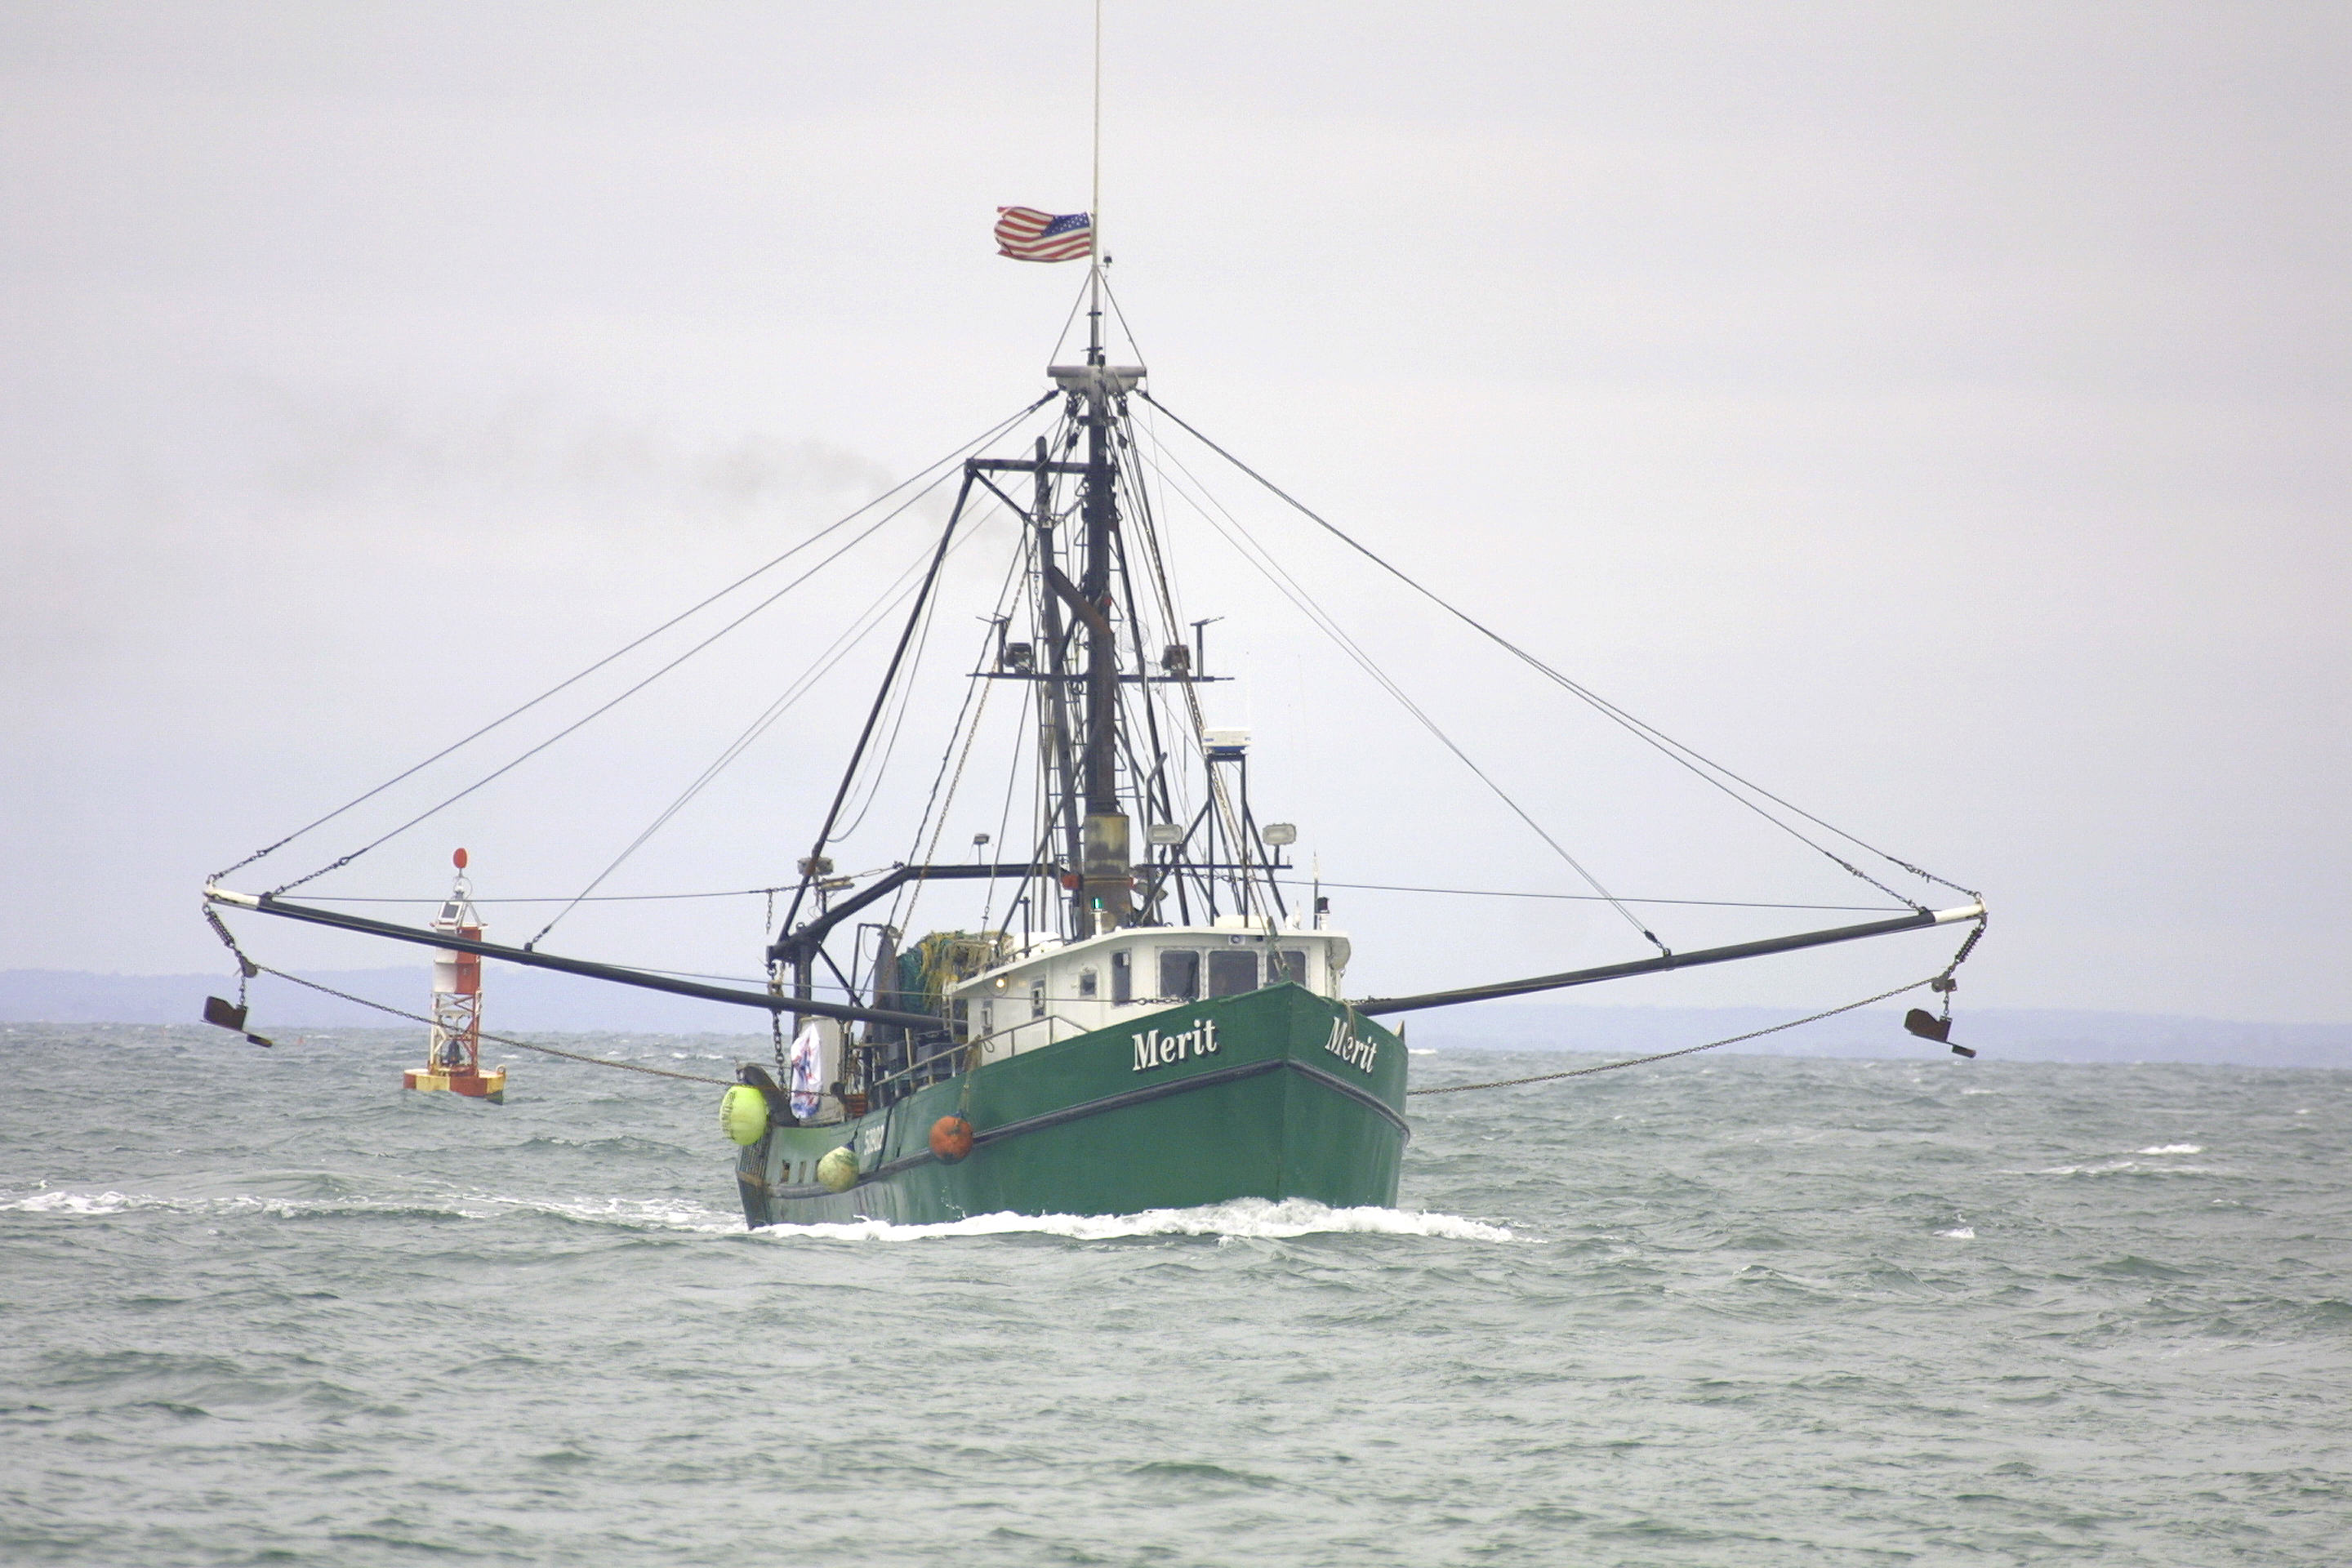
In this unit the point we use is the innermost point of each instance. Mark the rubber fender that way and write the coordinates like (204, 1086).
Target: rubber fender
(743, 1114)
(838, 1169)
(950, 1139)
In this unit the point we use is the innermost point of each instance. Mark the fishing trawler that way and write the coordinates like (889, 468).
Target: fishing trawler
(1160, 1018)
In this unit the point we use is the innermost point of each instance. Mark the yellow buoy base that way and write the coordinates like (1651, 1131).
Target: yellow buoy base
(490, 1084)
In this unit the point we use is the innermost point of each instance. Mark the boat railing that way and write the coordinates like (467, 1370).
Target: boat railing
(983, 1042)
(980, 1043)
(917, 1067)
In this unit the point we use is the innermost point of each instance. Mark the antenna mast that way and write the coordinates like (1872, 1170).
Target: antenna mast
(1093, 216)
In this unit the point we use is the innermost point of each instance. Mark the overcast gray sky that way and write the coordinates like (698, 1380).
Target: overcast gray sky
(1936, 411)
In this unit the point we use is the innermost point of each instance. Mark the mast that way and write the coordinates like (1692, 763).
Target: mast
(1105, 873)
(1105, 877)
(1062, 805)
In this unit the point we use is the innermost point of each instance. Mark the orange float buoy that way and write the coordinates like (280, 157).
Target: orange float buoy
(950, 1139)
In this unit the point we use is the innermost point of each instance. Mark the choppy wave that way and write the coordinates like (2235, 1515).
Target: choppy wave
(1245, 1218)
(2126, 1168)
(1785, 1313)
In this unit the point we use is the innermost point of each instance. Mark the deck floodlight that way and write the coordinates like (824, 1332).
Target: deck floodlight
(1281, 833)
(1165, 834)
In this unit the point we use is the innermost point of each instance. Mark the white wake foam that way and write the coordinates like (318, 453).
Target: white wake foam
(1241, 1218)
(2172, 1149)
(639, 1214)
(633, 1214)
(82, 1203)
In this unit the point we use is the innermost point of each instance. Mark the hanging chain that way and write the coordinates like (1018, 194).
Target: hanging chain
(1943, 984)
(245, 968)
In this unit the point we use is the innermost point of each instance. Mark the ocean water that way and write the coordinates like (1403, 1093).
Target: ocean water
(263, 1306)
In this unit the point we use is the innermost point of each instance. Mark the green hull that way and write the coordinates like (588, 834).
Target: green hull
(1276, 1094)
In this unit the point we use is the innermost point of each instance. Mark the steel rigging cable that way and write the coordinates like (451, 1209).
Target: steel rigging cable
(868, 621)
(604, 709)
(1693, 1050)
(1296, 593)
(1703, 766)
(985, 437)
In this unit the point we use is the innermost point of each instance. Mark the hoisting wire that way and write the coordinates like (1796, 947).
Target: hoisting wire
(863, 626)
(974, 710)
(878, 770)
(1022, 724)
(1131, 339)
(1063, 335)
(593, 714)
(247, 968)
(939, 827)
(1712, 1045)
(687, 613)
(1220, 798)
(502, 1039)
(1697, 763)
(809, 876)
(1567, 898)
(1164, 591)
(1289, 587)
(1286, 882)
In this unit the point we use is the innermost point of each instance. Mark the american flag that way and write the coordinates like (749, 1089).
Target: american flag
(1025, 234)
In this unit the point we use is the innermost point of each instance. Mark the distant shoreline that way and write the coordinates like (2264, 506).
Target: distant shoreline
(525, 1000)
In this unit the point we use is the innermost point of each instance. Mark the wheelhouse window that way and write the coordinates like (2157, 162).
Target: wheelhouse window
(1037, 997)
(1122, 976)
(1233, 971)
(1290, 965)
(1180, 975)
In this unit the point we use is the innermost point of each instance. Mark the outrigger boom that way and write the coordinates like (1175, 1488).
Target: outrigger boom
(1917, 921)
(773, 1002)
(263, 904)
